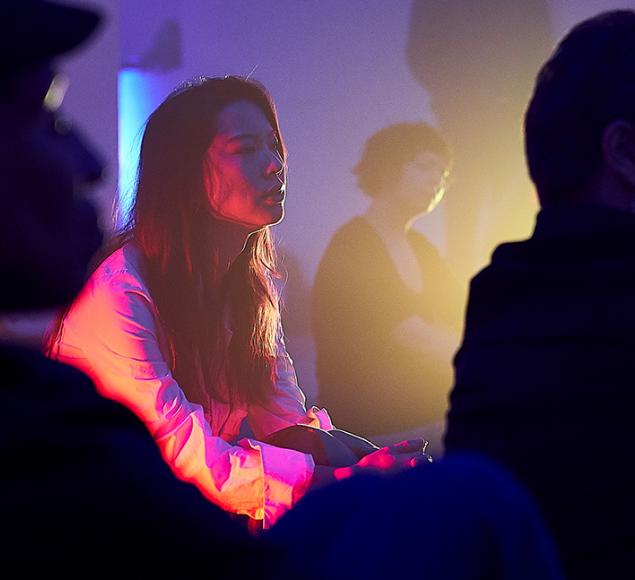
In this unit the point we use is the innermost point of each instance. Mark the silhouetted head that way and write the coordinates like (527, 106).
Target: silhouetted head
(582, 112)
(407, 161)
(212, 148)
(48, 232)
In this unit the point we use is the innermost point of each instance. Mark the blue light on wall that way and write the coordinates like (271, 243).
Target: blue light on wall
(142, 86)
(135, 104)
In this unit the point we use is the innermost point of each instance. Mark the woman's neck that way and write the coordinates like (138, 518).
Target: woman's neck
(225, 240)
(384, 216)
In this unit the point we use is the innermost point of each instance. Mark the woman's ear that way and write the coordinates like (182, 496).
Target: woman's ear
(618, 148)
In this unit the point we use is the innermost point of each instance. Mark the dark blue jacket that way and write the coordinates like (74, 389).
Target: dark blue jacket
(545, 379)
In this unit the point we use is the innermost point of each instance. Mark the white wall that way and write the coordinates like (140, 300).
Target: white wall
(337, 71)
(91, 100)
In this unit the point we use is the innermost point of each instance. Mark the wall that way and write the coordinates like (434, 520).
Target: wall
(338, 71)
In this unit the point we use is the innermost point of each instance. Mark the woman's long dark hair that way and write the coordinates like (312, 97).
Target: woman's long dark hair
(170, 222)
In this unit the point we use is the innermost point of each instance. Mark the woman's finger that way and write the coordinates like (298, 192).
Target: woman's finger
(422, 459)
(410, 445)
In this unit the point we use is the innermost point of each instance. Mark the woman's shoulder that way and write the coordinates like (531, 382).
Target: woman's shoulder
(119, 272)
(354, 237)
(115, 285)
(120, 267)
(354, 256)
(356, 226)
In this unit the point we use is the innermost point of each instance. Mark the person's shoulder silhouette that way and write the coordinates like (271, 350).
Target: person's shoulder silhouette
(546, 357)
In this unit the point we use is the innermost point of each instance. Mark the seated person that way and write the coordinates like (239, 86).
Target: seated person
(180, 320)
(386, 310)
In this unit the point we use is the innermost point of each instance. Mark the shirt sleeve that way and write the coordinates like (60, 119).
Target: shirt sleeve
(288, 406)
(113, 321)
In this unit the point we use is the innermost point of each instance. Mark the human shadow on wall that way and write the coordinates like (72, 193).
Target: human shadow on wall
(477, 61)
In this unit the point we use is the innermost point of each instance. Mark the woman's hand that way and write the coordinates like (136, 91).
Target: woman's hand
(388, 460)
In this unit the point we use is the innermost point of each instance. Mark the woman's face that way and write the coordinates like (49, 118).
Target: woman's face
(420, 186)
(245, 174)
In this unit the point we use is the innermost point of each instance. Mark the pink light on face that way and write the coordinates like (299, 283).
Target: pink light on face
(246, 173)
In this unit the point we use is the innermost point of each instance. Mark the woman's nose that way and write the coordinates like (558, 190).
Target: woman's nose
(275, 163)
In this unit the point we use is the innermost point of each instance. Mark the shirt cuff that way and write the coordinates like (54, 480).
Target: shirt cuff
(316, 417)
(286, 474)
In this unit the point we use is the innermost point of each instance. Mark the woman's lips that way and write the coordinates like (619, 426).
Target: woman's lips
(275, 195)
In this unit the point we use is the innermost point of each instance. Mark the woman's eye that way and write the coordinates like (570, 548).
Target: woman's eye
(244, 149)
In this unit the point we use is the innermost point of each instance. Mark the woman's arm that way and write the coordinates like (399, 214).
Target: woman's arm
(287, 406)
(113, 333)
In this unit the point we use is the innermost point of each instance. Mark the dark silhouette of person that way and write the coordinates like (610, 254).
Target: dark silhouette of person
(544, 378)
(476, 60)
(85, 491)
(386, 310)
(461, 518)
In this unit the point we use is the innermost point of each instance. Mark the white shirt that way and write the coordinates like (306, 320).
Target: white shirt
(112, 334)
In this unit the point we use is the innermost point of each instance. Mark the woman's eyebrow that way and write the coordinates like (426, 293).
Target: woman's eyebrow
(247, 135)
(237, 137)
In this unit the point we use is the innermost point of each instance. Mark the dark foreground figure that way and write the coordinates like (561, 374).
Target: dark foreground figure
(544, 378)
(84, 491)
(462, 518)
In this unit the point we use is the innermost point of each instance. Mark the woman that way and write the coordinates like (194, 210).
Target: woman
(386, 310)
(180, 322)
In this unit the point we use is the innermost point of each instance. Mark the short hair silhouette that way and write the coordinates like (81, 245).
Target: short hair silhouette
(389, 149)
(588, 82)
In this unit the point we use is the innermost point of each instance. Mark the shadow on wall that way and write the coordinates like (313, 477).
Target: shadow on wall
(478, 61)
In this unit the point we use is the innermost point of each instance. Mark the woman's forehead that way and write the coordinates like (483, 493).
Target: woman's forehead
(242, 117)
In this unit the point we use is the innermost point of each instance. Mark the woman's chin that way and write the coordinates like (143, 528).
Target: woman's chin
(276, 215)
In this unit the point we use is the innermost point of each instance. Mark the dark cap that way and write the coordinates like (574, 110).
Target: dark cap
(33, 31)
